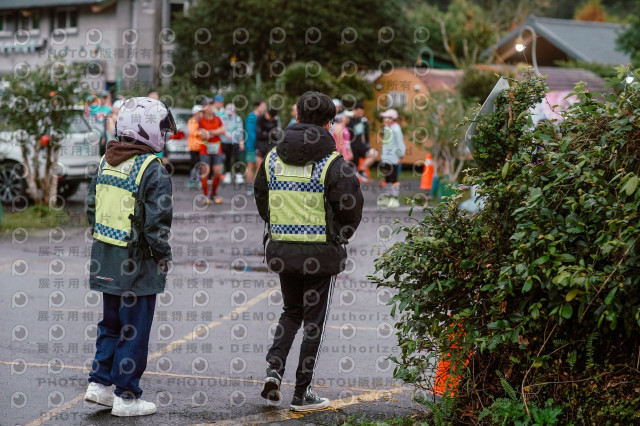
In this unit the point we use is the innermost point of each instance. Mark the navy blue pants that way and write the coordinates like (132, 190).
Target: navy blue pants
(122, 345)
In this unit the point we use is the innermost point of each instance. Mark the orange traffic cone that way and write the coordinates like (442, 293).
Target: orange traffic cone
(446, 380)
(427, 173)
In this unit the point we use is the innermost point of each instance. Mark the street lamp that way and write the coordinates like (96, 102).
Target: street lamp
(520, 45)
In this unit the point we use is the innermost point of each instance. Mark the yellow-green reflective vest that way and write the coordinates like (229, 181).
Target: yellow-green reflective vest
(296, 199)
(116, 190)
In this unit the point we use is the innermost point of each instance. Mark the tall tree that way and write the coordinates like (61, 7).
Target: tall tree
(223, 41)
(629, 40)
(462, 32)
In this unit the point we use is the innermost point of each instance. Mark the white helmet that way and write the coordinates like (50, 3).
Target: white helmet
(144, 120)
(196, 109)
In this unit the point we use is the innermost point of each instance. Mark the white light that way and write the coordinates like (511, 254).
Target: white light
(629, 79)
(519, 47)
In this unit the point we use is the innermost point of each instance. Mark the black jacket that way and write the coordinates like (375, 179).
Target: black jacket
(109, 263)
(302, 144)
(267, 133)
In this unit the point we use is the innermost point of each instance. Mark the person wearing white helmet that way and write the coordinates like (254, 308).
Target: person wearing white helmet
(129, 208)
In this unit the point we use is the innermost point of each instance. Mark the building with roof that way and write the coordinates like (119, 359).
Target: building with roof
(403, 88)
(560, 39)
(120, 42)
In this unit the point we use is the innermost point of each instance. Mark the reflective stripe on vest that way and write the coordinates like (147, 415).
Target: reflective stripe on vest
(115, 199)
(296, 199)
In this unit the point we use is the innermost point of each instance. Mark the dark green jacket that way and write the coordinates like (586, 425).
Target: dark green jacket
(109, 272)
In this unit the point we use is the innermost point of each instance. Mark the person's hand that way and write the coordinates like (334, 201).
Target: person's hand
(204, 134)
(241, 145)
(163, 264)
(227, 135)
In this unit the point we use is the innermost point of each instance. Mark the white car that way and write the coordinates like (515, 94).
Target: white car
(78, 159)
(176, 148)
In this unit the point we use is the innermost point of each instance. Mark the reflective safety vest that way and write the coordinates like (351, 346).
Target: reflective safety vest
(296, 199)
(116, 193)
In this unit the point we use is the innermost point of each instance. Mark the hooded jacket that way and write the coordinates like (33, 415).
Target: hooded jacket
(109, 272)
(304, 143)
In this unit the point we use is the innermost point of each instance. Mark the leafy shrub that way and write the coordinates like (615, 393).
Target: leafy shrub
(543, 284)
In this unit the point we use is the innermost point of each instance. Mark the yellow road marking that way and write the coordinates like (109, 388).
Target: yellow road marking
(56, 411)
(190, 336)
(285, 414)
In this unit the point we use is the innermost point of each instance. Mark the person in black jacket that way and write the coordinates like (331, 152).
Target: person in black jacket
(267, 132)
(307, 269)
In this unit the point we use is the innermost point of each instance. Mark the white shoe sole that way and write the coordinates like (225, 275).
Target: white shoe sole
(95, 399)
(304, 408)
(125, 413)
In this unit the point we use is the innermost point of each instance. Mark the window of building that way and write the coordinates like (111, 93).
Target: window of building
(30, 22)
(67, 19)
(5, 23)
(176, 11)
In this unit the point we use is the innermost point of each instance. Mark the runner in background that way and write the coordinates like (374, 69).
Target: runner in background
(193, 144)
(363, 155)
(259, 107)
(210, 128)
(232, 144)
(393, 149)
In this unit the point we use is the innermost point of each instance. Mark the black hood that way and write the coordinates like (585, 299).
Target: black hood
(303, 143)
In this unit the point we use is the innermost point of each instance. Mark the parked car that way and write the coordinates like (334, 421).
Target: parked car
(78, 159)
(176, 148)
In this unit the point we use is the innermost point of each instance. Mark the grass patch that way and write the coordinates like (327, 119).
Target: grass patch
(34, 217)
(394, 421)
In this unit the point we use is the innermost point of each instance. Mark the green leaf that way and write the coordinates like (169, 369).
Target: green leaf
(630, 186)
(610, 296)
(540, 260)
(566, 257)
(527, 285)
(505, 170)
(566, 311)
(572, 295)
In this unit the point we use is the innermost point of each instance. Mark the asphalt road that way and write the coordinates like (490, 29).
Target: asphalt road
(212, 325)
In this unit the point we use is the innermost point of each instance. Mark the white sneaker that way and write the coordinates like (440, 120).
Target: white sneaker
(99, 394)
(227, 178)
(132, 407)
(394, 203)
(239, 178)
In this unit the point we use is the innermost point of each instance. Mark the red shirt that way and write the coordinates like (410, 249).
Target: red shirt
(210, 124)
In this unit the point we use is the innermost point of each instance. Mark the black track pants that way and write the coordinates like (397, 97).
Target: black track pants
(305, 299)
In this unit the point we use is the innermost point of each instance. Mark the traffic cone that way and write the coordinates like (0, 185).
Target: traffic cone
(446, 380)
(427, 173)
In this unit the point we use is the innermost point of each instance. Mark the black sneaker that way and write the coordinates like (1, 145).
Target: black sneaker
(310, 402)
(271, 388)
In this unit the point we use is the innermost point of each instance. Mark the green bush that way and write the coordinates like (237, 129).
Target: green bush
(476, 84)
(543, 284)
